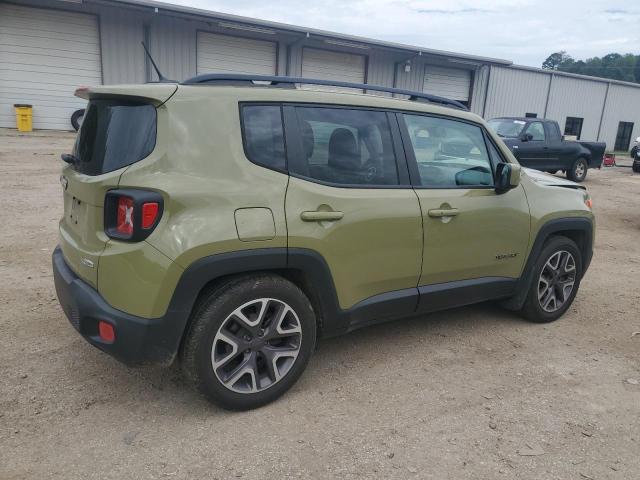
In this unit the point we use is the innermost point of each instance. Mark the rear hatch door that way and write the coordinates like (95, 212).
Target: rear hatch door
(119, 129)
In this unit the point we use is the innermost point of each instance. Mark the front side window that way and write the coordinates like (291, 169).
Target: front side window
(346, 147)
(449, 153)
(263, 135)
(536, 130)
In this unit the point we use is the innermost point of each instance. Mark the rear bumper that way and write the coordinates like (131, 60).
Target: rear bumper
(137, 340)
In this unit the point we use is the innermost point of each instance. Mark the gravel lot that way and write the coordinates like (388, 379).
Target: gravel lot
(471, 393)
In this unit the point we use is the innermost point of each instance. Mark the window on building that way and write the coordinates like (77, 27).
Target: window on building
(573, 126)
(531, 115)
(263, 135)
(344, 146)
(536, 130)
(623, 137)
(449, 153)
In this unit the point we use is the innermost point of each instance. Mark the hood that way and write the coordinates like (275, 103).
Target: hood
(550, 180)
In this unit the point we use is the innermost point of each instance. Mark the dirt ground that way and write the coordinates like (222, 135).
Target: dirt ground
(472, 393)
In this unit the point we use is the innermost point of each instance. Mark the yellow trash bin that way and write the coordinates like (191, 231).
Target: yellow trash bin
(24, 117)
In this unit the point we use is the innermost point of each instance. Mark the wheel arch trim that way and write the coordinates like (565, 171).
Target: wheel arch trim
(310, 265)
(582, 225)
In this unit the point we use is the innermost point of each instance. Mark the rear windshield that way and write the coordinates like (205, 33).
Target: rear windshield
(114, 134)
(507, 127)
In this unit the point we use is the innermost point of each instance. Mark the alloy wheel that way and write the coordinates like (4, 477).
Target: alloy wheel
(556, 281)
(256, 345)
(580, 170)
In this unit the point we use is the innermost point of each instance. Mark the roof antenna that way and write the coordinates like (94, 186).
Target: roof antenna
(161, 78)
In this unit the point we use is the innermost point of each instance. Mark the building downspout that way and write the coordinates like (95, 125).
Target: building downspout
(146, 34)
(604, 106)
(486, 93)
(287, 68)
(546, 104)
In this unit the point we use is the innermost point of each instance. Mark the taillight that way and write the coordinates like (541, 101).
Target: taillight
(131, 215)
(149, 214)
(124, 222)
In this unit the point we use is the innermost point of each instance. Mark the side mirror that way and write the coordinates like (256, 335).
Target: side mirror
(507, 177)
(526, 137)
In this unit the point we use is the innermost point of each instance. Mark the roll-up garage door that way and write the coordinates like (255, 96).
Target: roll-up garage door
(452, 83)
(44, 56)
(229, 54)
(328, 65)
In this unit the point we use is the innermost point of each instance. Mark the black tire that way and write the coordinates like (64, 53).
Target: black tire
(210, 319)
(635, 167)
(532, 309)
(578, 172)
(76, 119)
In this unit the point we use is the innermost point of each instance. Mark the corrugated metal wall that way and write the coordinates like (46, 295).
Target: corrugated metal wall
(123, 59)
(515, 92)
(173, 46)
(496, 90)
(478, 95)
(623, 105)
(573, 97)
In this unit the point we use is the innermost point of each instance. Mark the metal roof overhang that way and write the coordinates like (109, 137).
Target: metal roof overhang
(168, 8)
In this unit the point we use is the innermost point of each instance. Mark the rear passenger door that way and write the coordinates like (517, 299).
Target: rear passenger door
(475, 239)
(350, 200)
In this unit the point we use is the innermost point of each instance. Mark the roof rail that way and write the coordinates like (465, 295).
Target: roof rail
(239, 79)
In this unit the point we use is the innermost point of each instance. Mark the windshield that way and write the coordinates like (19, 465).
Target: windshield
(114, 134)
(507, 127)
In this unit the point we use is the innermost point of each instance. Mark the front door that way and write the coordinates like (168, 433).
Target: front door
(472, 235)
(349, 199)
(534, 153)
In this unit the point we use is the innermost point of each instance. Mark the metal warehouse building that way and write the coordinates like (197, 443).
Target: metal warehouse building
(48, 48)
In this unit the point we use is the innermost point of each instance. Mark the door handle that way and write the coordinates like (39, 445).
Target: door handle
(321, 216)
(443, 212)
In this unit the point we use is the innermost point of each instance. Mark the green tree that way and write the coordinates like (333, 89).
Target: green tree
(554, 60)
(616, 66)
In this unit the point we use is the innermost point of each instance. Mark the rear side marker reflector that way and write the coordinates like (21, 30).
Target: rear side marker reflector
(107, 332)
(149, 214)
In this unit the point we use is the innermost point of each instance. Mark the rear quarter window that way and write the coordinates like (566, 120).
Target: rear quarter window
(263, 135)
(114, 134)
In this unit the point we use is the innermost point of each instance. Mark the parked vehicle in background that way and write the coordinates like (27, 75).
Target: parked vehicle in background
(635, 154)
(229, 225)
(537, 143)
(76, 119)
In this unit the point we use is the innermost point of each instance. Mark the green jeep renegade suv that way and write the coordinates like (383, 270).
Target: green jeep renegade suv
(230, 224)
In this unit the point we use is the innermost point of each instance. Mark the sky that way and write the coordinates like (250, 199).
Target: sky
(524, 31)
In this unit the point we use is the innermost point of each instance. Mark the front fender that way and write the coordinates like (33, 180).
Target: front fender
(583, 225)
